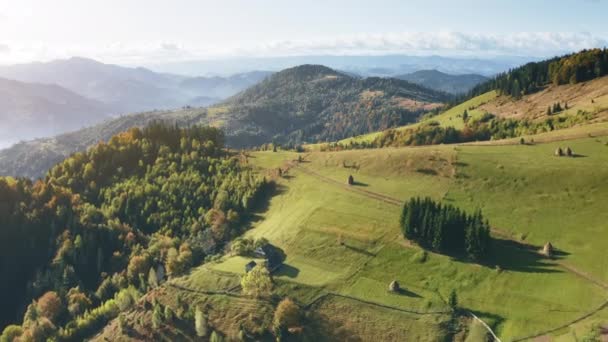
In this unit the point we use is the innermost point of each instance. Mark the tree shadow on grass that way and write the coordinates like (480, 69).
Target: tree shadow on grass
(426, 171)
(493, 320)
(262, 205)
(357, 183)
(287, 271)
(407, 293)
(359, 250)
(518, 257)
(515, 256)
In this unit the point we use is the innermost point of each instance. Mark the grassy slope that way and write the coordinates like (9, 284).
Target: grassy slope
(589, 96)
(515, 186)
(523, 190)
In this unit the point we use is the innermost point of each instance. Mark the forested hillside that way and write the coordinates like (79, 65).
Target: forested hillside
(105, 225)
(315, 103)
(570, 69)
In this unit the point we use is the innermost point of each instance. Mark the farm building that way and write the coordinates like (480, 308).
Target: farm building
(250, 265)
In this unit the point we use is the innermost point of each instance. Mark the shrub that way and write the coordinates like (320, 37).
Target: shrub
(10, 333)
(257, 282)
(49, 305)
(453, 300)
(200, 323)
(287, 314)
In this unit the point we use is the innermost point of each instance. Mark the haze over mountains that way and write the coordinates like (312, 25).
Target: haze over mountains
(453, 84)
(381, 65)
(308, 103)
(35, 110)
(64, 95)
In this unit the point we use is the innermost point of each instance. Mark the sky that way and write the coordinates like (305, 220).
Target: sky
(144, 32)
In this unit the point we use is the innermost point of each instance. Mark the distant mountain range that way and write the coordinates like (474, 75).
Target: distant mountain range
(437, 80)
(29, 110)
(308, 103)
(383, 66)
(85, 91)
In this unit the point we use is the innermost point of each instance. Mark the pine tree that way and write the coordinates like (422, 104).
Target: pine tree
(453, 300)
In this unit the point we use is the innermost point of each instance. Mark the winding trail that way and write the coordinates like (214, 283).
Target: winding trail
(498, 232)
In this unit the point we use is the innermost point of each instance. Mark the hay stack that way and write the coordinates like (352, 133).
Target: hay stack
(351, 180)
(548, 249)
(559, 152)
(394, 286)
(568, 151)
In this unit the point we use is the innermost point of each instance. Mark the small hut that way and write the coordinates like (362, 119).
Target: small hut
(568, 151)
(250, 265)
(394, 286)
(548, 249)
(559, 152)
(351, 180)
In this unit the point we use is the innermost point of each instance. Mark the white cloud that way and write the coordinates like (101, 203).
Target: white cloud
(538, 44)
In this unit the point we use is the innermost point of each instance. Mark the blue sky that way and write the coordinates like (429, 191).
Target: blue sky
(153, 31)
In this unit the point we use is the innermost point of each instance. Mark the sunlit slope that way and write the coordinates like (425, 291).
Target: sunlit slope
(519, 188)
(449, 118)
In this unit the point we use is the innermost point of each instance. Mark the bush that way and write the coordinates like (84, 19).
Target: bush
(257, 282)
(200, 323)
(49, 305)
(287, 314)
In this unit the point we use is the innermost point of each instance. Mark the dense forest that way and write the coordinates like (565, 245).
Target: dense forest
(312, 103)
(445, 228)
(106, 224)
(570, 69)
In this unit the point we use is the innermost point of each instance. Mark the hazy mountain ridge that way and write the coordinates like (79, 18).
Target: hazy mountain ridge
(306, 103)
(437, 80)
(84, 92)
(127, 89)
(30, 110)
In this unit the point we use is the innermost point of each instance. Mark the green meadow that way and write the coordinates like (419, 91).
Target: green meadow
(344, 247)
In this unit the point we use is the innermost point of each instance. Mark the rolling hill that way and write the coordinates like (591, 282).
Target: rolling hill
(307, 103)
(31, 110)
(453, 84)
(316, 103)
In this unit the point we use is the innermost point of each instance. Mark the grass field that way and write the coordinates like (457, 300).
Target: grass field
(524, 190)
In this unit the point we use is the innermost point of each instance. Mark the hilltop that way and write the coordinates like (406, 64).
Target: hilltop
(453, 84)
(315, 103)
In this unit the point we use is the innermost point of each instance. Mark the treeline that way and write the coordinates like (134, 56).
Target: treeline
(445, 228)
(127, 213)
(486, 127)
(570, 69)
